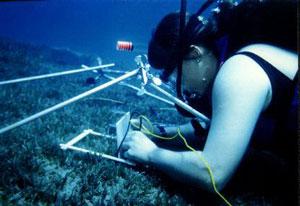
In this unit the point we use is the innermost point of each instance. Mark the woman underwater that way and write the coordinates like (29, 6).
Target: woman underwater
(240, 71)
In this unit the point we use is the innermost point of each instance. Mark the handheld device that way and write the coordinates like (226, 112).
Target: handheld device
(121, 129)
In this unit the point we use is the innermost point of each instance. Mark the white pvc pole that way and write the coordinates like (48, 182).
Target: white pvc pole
(56, 74)
(69, 101)
(78, 137)
(101, 134)
(114, 71)
(110, 157)
(182, 104)
(146, 92)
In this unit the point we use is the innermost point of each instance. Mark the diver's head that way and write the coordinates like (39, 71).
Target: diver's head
(199, 69)
(163, 49)
(200, 50)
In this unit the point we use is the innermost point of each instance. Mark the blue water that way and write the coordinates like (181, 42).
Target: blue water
(87, 26)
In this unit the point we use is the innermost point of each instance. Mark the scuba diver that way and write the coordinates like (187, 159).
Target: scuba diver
(238, 65)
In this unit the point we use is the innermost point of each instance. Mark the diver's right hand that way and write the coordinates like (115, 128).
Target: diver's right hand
(138, 147)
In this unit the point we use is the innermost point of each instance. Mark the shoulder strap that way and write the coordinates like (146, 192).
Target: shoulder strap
(270, 70)
(281, 85)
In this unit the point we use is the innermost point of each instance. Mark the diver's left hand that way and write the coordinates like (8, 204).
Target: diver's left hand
(138, 147)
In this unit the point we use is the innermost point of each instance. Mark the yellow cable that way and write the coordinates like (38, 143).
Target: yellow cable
(148, 121)
(207, 167)
(146, 131)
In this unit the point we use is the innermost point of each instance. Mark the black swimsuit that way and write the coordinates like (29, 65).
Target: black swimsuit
(276, 128)
(273, 153)
(282, 87)
(280, 118)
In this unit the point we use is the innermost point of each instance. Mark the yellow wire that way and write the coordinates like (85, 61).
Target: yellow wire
(148, 121)
(207, 167)
(147, 131)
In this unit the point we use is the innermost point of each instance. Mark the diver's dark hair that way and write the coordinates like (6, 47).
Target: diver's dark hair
(251, 21)
(163, 46)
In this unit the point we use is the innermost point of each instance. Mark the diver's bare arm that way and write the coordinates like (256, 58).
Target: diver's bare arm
(237, 103)
(186, 167)
(186, 129)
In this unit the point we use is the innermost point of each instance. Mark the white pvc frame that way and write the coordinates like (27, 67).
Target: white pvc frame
(69, 101)
(70, 146)
(44, 76)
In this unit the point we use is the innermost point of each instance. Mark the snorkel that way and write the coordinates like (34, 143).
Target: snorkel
(173, 36)
(181, 48)
(206, 31)
(194, 26)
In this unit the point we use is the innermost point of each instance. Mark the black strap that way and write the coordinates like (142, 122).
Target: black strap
(281, 84)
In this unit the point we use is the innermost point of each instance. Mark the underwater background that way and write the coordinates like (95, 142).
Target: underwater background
(86, 26)
(41, 37)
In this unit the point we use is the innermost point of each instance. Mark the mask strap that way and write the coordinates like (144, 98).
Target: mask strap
(181, 47)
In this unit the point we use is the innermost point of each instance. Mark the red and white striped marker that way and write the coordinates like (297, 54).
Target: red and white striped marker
(124, 46)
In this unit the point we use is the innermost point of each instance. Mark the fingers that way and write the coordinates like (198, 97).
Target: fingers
(132, 135)
(135, 121)
(128, 154)
(135, 124)
(130, 145)
(125, 146)
(137, 147)
(128, 142)
(133, 155)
